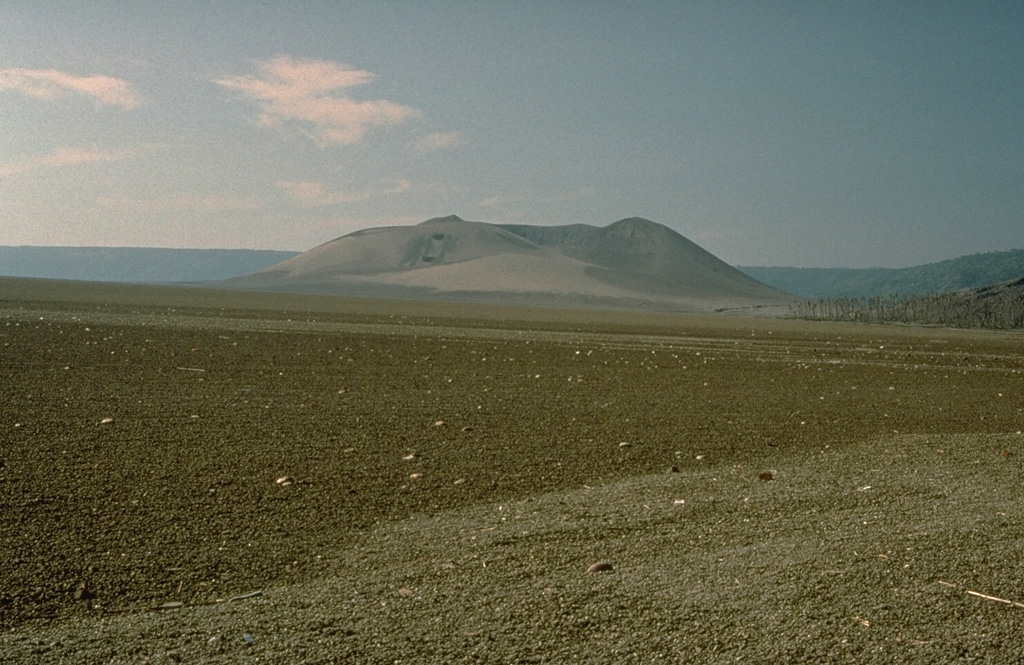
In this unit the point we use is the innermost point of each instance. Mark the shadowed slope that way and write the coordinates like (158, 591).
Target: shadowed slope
(639, 254)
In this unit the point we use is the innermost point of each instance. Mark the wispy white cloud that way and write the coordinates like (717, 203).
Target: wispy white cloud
(64, 157)
(435, 141)
(212, 203)
(311, 94)
(50, 85)
(313, 194)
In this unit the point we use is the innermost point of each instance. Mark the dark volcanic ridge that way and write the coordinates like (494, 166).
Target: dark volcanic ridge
(633, 263)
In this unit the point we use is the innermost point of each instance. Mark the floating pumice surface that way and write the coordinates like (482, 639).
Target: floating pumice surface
(219, 484)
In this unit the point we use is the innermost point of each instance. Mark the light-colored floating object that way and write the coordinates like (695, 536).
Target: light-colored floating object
(411, 456)
(415, 476)
(245, 596)
(599, 567)
(679, 502)
(625, 444)
(284, 481)
(172, 605)
(106, 421)
(439, 423)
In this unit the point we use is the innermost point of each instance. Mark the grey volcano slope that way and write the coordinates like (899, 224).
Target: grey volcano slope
(633, 263)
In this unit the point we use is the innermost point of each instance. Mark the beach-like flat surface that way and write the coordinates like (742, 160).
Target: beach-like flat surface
(449, 473)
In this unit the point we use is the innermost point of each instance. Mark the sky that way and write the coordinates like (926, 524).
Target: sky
(816, 134)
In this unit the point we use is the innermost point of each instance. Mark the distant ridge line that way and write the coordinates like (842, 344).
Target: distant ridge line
(134, 264)
(964, 272)
(189, 266)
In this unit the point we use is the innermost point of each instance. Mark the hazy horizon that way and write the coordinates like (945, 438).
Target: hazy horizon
(296, 252)
(775, 134)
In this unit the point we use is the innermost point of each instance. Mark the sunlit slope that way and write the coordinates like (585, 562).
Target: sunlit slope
(631, 263)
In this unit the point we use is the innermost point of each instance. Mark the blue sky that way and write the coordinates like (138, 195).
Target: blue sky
(771, 133)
